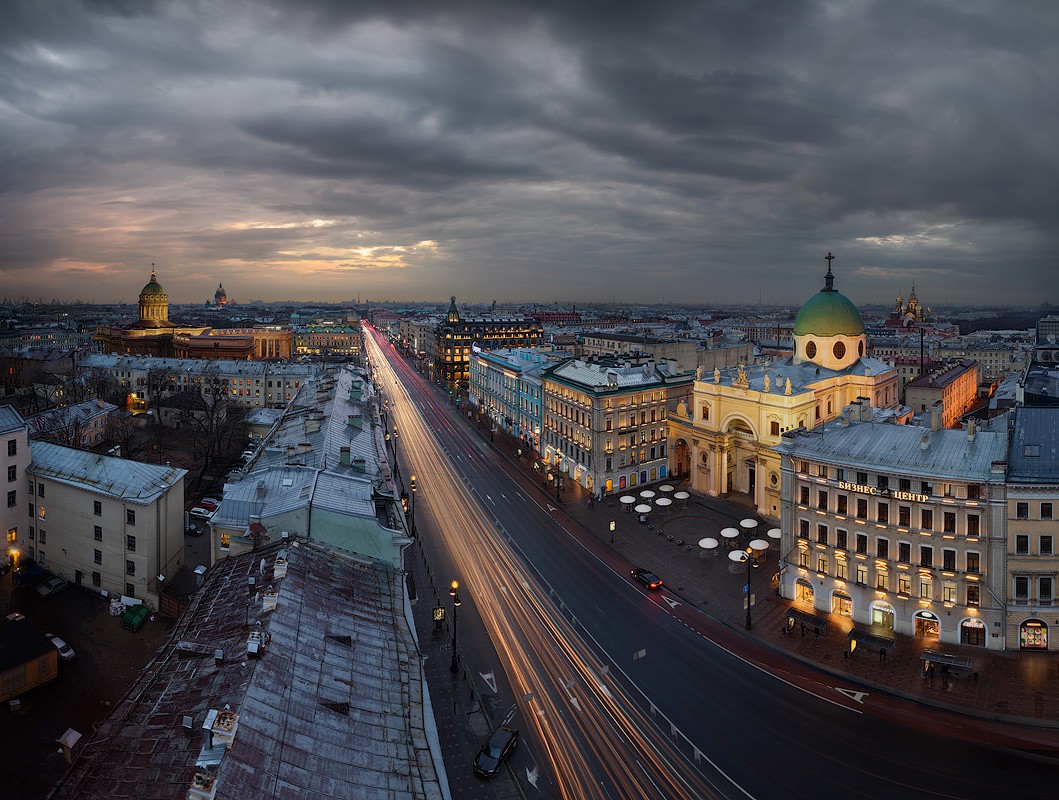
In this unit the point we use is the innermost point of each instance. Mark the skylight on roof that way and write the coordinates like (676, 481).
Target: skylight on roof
(1032, 451)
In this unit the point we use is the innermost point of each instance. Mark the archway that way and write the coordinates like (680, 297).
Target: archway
(882, 615)
(972, 631)
(681, 454)
(803, 591)
(926, 624)
(841, 604)
(1033, 635)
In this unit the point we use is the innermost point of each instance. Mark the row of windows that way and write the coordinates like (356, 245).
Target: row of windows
(905, 583)
(927, 516)
(859, 542)
(634, 399)
(1022, 510)
(1045, 585)
(655, 415)
(97, 558)
(1045, 545)
(97, 577)
(41, 536)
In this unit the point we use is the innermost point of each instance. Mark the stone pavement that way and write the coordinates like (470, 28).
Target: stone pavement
(1020, 688)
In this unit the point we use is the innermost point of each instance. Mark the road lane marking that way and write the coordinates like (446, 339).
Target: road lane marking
(858, 696)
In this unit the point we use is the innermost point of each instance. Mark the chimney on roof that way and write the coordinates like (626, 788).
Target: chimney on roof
(924, 440)
(218, 657)
(972, 429)
(343, 456)
(935, 416)
(260, 489)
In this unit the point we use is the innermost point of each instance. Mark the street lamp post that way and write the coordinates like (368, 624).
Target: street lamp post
(746, 556)
(612, 531)
(395, 443)
(454, 667)
(413, 488)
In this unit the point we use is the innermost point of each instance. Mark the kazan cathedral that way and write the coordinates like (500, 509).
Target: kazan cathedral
(153, 334)
(722, 439)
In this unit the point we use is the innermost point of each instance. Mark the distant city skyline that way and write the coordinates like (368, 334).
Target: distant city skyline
(695, 153)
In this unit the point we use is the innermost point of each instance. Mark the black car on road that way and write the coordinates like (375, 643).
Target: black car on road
(495, 752)
(647, 578)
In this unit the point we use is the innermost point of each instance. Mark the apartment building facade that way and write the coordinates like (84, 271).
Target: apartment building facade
(898, 527)
(111, 525)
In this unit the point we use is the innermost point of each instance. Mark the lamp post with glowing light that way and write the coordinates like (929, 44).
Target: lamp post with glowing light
(747, 557)
(412, 486)
(455, 666)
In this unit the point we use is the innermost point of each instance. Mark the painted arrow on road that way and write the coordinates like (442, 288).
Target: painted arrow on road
(852, 695)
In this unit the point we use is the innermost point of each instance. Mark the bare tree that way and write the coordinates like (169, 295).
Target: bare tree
(101, 385)
(124, 430)
(212, 424)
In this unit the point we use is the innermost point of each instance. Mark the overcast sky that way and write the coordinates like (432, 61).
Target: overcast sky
(612, 150)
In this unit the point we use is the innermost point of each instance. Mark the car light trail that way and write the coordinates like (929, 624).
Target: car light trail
(597, 742)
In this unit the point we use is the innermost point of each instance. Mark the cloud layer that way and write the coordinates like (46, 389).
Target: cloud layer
(699, 152)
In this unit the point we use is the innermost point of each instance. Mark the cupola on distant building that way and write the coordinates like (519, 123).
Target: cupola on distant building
(153, 334)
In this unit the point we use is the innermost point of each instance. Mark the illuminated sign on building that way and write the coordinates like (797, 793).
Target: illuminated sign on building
(875, 490)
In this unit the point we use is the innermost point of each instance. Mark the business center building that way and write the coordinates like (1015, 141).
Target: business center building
(897, 526)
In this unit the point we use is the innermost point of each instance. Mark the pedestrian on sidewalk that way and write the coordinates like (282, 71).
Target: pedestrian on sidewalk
(930, 674)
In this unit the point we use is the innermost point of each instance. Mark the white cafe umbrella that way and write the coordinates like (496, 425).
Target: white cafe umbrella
(759, 544)
(729, 533)
(628, 499)
(665, 487)
(775, 533)
(681, 496)
(708, 543)
(663, 501)
(749, 524)
(643, 508)
(647, 493)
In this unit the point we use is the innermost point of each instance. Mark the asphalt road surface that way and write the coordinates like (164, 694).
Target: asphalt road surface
(627, 693)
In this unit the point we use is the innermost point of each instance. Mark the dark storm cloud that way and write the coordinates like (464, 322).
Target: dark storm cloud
(701, 151)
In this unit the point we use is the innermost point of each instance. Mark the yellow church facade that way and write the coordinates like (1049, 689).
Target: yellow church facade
(722, 440)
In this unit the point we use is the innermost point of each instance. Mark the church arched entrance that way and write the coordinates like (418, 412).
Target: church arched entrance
(681, 453)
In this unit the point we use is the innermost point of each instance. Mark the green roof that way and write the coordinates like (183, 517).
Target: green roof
(153, 287)
(828, 313)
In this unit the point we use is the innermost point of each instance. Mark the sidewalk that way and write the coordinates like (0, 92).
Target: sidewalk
(1012, 687)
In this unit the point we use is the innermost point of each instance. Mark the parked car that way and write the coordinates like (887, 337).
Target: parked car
(647, 578)
(29, 575)
(205, 500)
(209, 505)
(193, 530)
(51, 586)
(199, 511)
(14, 616)
(65, 651)
(495, 752)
